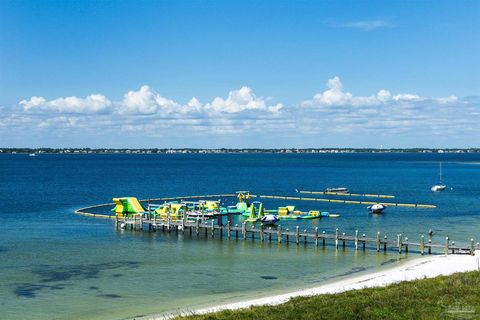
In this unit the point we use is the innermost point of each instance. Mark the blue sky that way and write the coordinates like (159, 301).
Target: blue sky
(263, 73)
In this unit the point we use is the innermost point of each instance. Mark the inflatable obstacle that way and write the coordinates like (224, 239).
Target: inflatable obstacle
(127, 206)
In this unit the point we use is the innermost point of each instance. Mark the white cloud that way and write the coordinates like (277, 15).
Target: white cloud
(446, 100)
(147, 101)
(366, 25)
(94, 103)
(384, 95)
(406, 97)
(241, 100)
(335, 111)
(335, 96)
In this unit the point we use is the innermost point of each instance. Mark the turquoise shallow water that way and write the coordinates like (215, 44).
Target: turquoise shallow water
(57, 265)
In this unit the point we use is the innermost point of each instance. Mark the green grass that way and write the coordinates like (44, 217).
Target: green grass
(447, 297)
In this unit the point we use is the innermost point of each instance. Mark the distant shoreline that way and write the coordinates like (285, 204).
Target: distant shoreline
(230, 150)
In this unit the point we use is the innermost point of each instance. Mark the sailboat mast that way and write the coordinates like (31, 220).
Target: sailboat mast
(440, 172)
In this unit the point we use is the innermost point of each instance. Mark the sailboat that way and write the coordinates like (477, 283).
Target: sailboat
(440, 186)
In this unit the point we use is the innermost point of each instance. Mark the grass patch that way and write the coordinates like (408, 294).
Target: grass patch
(446, 297)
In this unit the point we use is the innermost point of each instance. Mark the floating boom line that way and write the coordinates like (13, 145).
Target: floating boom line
(346, 194)
(392, 204)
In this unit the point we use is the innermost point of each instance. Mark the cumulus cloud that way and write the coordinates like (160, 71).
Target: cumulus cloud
(144, 112)
(147, 101)
(384, 112)
(94, 103)
(335, 96)
(241, 100)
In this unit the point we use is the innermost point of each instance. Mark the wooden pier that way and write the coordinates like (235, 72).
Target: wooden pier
(247, 231)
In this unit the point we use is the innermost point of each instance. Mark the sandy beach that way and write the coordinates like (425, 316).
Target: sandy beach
(419, 268)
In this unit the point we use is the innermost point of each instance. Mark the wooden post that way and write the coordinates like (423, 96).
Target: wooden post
(422, 245)
(323, 238)
(399, 243)
(197, 226)
(183, 226)
(297, 235)
(429, 246)
(212, 228)
(286, 230)
(236, 231)
(270, 234)
(168, 222)
(305, 236)
(385, 243)
(244, 230)
(378, 241)
(262, 236)
(406, 245)
(316, 236)
(446, 246)
(364, 241)
(253, 232)
(116, 221)
(228, 229)
(453, 247)
(279, 234)
(343, 239)
(472, 247)
(356, 240)
(148, 206)
(336, 238)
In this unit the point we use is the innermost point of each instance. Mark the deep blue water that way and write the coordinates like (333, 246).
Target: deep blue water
(57, 265)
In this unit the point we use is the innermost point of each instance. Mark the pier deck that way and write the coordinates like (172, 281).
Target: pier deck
(263, 233)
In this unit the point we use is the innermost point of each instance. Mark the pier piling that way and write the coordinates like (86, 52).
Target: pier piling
(422, 245)
(279, 234)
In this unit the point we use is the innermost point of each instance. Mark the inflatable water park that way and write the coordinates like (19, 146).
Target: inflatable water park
(252, 211)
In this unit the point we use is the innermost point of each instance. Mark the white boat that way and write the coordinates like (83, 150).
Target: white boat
(377, 208)
(32, 155)
(270, 218)
(440, 186)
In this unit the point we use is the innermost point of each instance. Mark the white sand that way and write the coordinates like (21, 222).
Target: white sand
(425, 267)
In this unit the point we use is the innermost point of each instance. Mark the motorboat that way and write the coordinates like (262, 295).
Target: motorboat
(270, 219)
(377, 208)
